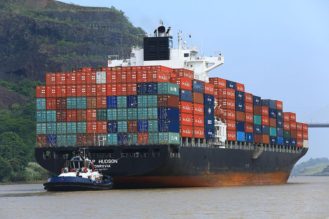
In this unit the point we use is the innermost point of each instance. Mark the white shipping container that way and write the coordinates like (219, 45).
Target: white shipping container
(305, 144)
(101, 77)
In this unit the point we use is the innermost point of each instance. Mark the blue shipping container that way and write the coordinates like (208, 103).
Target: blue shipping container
(198, 86)
(152, 88)
(111, 102)
(280, 140)
(258, 129)
(272, 113)
(265, 129)
(266, 102)
(279, 123)
(239, 96)
(240, 136)
(168, 125)
(123, 138)
(240, 126)
(257, 101)
(51, 139)
(168, 113)
(141, 88)
(132, 101)
(272, 104)
(287, 141)
(142, 125)
(249, 137)
(273, 140)
(293, 142)
(279, 132)
(279, 114)
(112, 126)
(186, 95)
(209, 112)
(231, 84)
(209, 133)
(239, 106)
(209, 100)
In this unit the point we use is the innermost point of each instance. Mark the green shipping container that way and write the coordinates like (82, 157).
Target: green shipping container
(286, 134)
(153, 138)
(152, 101)
(112, 139)
(81, 103)
(153, 126)
(51, 116)
(122, 126)
(61, 128)
(51, 128)
(41, 103)
(71, 103)
(71, 128)
(71, 140)
(169, 138)
(152, 113)
(122, 114)
(142, 113)
(101, 115)
(142, 101)
(272, 131)
(61, 140)
(257, 120)
(41, 116)
(81, 127)
(112, 114)
(132, 114)
(168, 88)
(41, 128)
(132, 138)
(122, 102)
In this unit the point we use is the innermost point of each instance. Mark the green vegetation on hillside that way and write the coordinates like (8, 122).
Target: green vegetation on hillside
(312, 167)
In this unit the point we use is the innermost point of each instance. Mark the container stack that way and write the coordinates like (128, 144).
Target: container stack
(254, 120)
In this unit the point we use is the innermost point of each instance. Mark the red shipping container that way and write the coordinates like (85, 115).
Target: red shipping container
(156, 76)
(231, 125)
(91, 90)
(51, 103)
(286, 117)
(81, 115)
(198, 132)
(305, 135)
(111, 90)
(209, 89)
(50, 79)
(265, 120)
(86, 69)
(71, 115)
(181, 72)
(91, 115)
(258, 138)
(71, 90)
(198, 109)
(118, 76)
(231, 135)
(293, 133)
(91, 77)
(227, 104)
(92, 127)
(299, 143)
(265, 111)
(81, 140)
(61, 91)
(272, 122)
(50, 91)
(249, 118)
(60, 79)
(183, 82)
(111, 77)
(91, 102)
(61, 103)
(71, 78)
(265, 139)
(249, 127)
(121, 89)
(61, 116)
(81, 78)
(299, 134)
(286, 126)
(142, 138)
(229, 114)
(198, 121)
(279, 105)
(293, 125)
(185, 107)
(141, 76)
(291, 116)
(168, 101)
(198, 98)
(81, 90)
(101, 90)
(123, 76)
(299, 126)
(132, 126)
(186, 119)
(101, 102)
(101, 127)
(240, 116)
(40, 92)
(41, 140)
(249, 108)
(228, 93)
(186, 131)
(218, 82)
(132, 89)
(248, 98)
(305, 127)
(239, 87)
(257, 110)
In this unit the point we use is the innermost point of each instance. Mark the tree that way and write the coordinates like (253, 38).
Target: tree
(5, 170)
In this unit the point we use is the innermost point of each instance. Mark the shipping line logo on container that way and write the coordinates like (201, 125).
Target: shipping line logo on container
(105, 163)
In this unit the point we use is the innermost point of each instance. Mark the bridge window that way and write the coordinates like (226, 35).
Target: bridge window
(186, 55)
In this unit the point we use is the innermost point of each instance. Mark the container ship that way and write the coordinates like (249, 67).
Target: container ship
(158, 120)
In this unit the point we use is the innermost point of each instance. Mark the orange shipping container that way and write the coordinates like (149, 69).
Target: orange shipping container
(185, 107)
(71, 78)
(183, 82)
(227, 104)
(91, 115)
(249, 127)
(111, 77)
(209, 88)
(198, 109)
(299, 126)
(111, 90)
(265, 120)
(101, 89)
(50, 91)
(249, 118)
(305, 135)
(229, 114)
(101, 127)
(198, 132)
(132, 89)
(198, 121)
(91, 77)
(265, 139)
(92, 127)
(142, 138)
(121, 89)
(186, 131)
(71, 90)
(239, 87)
(292, 116)
(286, 126)
(293, 125)
(123, 76)
(218, 82)
(81, 78)
(299, 143)
(198, 98)
(131, 77)
(305, 127)
(299, 134)
(157, 76)
(40, 92)
(248, 98)
(61, 91)
(265, 111)
(101, 102)
(279, 105)
(186, 119)
(50, 79)
(231, 135)
(228, 93)
(141, 76)
(60, 79)
(181, 72)
(272, 122)
(91, 90)
(231, 125)
(81, 90)
(249, 108)
(240, 116)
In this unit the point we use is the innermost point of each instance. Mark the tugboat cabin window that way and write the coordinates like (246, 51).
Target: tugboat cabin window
(186, 55)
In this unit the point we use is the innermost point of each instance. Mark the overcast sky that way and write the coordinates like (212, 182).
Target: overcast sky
(278, 49)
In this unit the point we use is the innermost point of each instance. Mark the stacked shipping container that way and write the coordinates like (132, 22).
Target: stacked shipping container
(254, 120)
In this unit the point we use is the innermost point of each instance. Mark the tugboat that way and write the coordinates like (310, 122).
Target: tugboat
(79, 175)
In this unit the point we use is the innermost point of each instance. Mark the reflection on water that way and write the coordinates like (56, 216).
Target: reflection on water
(302, 197)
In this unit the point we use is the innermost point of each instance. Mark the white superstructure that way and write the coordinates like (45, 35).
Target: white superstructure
(180, 57)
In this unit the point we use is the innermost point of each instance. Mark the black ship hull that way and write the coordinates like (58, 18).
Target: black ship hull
(173, 166)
